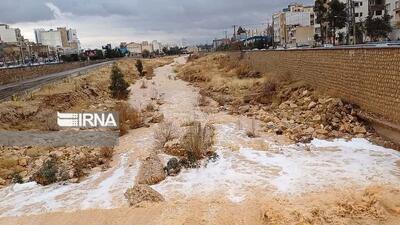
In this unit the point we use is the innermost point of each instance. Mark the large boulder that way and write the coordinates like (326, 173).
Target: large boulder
(151, 171)
(142, 193)
(173, 167)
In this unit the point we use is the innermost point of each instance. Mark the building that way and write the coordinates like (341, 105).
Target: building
(376, 8)
(287, 22)
(157, 47)
(37, 34)
(9, 35)
(147, 46)
(51, 37)
(64, 36)
(278, 25)
(253, 31)
(220, 42)
(134, 48)
(301, 36)
(18, 50)
(66, 40)
(393, 8)
(72, 35)
(361, 10)
(192, 49)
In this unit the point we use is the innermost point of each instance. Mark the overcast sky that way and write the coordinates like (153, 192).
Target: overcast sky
(112, 21)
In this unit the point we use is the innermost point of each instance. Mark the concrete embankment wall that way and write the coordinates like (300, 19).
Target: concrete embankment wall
(369, 78)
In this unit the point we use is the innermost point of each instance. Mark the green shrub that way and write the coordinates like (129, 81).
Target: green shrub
(145, 53)
(47, 174)
(139, 67)
(118, 87)
(17, 179)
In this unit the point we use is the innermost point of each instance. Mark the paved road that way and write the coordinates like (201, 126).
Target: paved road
(7, 90)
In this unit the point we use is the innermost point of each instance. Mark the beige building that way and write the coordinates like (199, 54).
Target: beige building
(285, 24)
(64, 36)
(279, 24)
(147, 46)
(134, 48)
(300, 36)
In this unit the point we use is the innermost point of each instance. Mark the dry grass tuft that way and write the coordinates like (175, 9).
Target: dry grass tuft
(166, 131)
(244, 71)
(268, 91)
(197, 140)
(149, 73)
(129, 118)
(80, 166)
(150, 107)
(106, 152)
(143, 86)
(203, 101)
(193, 57)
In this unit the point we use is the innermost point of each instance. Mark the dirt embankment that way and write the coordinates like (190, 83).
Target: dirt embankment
(37, 111)
(284, 105)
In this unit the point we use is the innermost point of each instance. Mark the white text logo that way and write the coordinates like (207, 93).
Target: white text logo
(87, 120)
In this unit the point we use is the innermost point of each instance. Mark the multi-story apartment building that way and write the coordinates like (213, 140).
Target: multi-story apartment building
(157, 47)
(147, 46)
(278, 25)
(393, 9)
(134, 48)
(50, 37)
(294, 20)
(72, 35)
(64, 39)
(220, 42)
(10, 35)
(375, 8)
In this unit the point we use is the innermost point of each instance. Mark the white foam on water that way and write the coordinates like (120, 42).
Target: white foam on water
(94, 192)
(293, 170)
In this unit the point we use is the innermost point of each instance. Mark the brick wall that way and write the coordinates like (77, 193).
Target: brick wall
(369, 78)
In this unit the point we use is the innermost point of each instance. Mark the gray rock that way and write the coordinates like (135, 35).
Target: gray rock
(173, 167)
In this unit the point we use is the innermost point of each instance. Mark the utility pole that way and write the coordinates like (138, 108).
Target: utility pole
(348, 22)
(234, 32)
(354, 21)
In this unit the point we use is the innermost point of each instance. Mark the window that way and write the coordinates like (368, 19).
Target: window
(378, 13)
(360, 14)
(356, 14)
